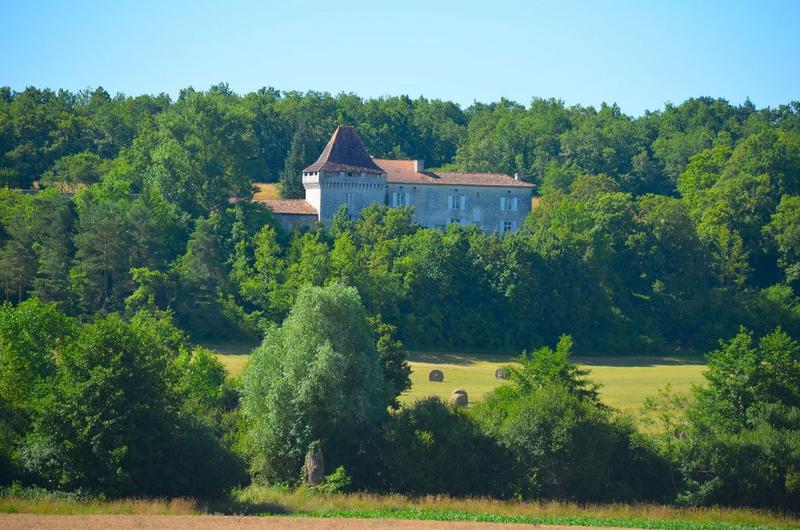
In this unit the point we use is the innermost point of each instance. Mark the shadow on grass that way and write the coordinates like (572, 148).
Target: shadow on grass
(641, 361)
(230, 348)
(231, 507)
(458, 359)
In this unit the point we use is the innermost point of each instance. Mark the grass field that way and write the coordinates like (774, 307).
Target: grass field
(266, 190)
(626, 381)
(256, 500)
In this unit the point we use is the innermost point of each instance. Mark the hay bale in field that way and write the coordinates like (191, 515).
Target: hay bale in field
(459, 399)
(501, 373)
(459, 391)
(315, 466)
(437, 376)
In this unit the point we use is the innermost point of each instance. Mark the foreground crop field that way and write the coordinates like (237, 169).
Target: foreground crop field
(626, 381)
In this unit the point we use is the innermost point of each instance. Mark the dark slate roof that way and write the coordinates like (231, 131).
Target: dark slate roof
(345, 152)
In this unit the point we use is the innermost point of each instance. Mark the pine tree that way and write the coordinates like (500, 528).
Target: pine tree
(291, 178)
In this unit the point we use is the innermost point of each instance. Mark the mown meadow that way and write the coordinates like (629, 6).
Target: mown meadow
(625, 381)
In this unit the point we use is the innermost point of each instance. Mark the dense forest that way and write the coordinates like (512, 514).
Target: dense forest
(126, 237)
(658, 233)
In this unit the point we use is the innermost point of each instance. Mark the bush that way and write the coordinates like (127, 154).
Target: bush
(337, 482)
(742, 444)
(114, 423)
(565, 447)
(432, 448)
(758, 468)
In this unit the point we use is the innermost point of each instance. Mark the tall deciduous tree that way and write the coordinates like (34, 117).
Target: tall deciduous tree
(315, 379)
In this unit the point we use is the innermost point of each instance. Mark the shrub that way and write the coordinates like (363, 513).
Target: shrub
(742, 443)
(337, 482)
(566, 447)
(114, 423)
(432, 449)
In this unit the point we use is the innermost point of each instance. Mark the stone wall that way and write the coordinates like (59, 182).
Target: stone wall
(438, 205)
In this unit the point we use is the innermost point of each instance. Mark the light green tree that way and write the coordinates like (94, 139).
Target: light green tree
(315, 379)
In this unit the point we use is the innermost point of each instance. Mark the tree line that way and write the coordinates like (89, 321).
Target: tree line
(118, 407)
(657, 233)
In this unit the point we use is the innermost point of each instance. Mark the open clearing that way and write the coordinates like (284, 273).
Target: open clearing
(222, 522)
(626, 381)
(266, 190)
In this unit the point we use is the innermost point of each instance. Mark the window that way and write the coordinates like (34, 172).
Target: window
(456, 202)
(455, 221)
(508, 226)
(509, 203)
(401, 199)
(349, 198)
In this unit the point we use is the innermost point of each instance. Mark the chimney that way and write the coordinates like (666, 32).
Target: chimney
(419, 165)
(516, 176)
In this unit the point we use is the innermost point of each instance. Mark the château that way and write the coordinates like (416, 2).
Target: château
(346, 175)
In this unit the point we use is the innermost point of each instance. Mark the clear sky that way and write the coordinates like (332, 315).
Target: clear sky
(639, 54)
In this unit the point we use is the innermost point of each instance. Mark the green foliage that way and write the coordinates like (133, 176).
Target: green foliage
(742, 445)
(547, 367)
(431, 448)
(645, 227)
(110, 408)
(396, 369)
(566, 447)
(743, 378)
(316, 377)
(337, 482)
(81, 168)
(598, 252)
(784, 228)
(296, 160)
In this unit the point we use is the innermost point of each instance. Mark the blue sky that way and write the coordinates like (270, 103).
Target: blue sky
(638, 54)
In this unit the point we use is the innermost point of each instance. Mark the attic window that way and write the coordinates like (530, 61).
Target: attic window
(349, 174)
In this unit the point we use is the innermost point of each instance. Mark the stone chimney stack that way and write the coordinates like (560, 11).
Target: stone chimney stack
(419, 165)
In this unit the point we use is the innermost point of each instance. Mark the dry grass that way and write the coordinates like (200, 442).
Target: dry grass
(54, 506)
(303, 501)
(266, 190)
(266, 500)
(232, 355)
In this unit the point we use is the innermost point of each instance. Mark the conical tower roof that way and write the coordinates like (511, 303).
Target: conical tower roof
(345, 152)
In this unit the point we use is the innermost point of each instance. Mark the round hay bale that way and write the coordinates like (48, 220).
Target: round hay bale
(459, 391)
(437, 376)
(501, 373)
(459, 400)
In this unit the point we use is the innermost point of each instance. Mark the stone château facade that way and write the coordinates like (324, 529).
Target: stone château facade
(345, 174)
